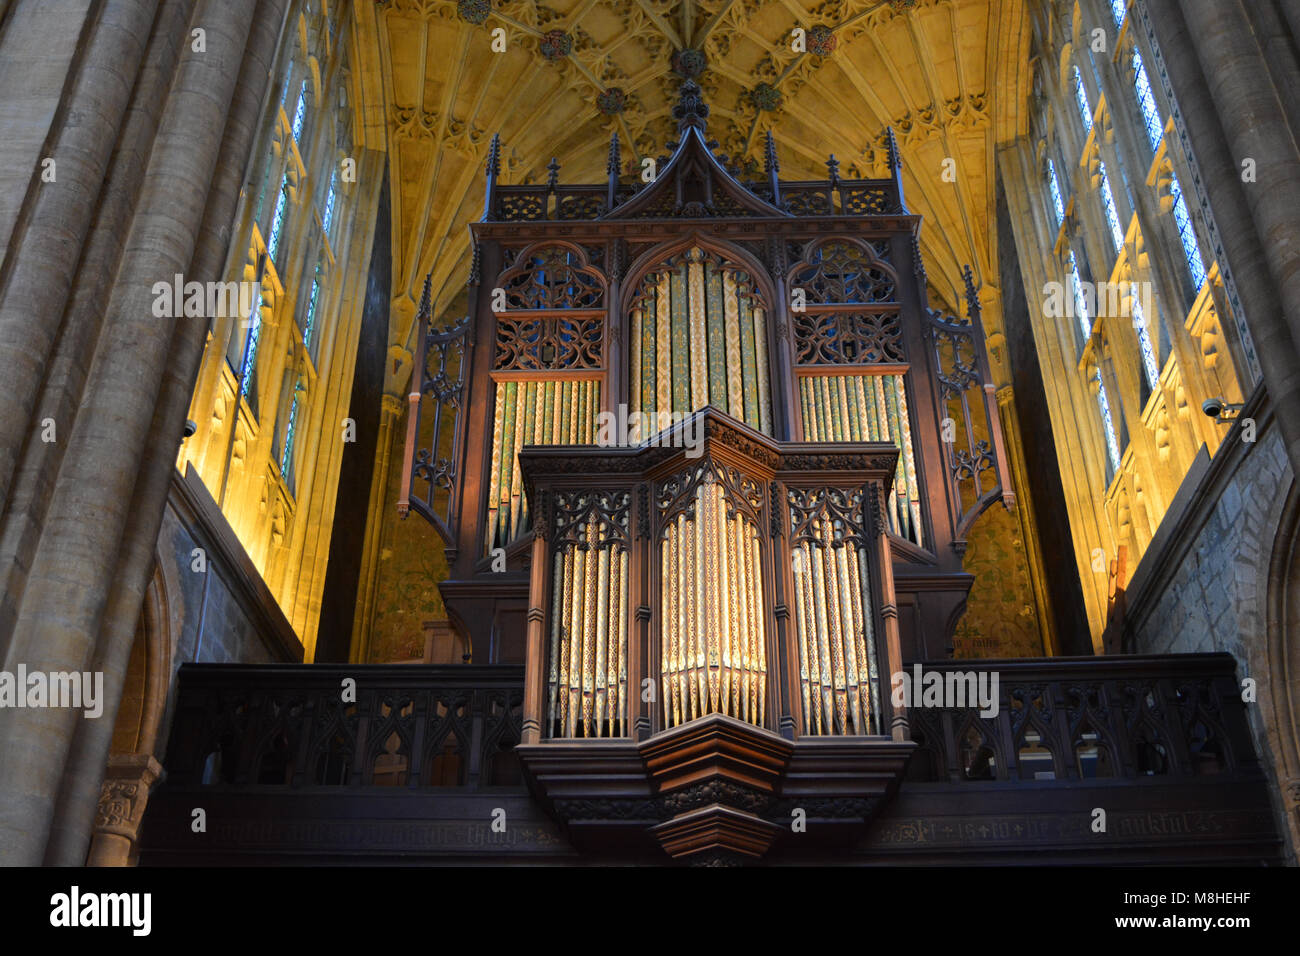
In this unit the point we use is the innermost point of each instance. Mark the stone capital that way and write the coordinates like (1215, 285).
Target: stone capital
(124, 793)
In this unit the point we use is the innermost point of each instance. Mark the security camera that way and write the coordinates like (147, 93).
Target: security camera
(1223, 412)
(190, 428)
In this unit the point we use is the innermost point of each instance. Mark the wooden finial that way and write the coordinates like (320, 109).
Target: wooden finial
(493, 170)
(613, 167)
(771, 167)
(972, 297)
(895, 165)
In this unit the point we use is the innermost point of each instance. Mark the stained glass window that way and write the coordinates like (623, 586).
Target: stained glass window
(277, 221)
(250, 348)
(1058, 204)
(1081, 97)
(287, 455)
(1149, 364)
(1108, 424)
(1117, 10)
(1107, 197)
(1187, 235)
(299, 113)
(309, 323)
(1103, 401)
(1155, 131)
(1112, 214)
(1080, 304)
(328, 217)
(1147, 102)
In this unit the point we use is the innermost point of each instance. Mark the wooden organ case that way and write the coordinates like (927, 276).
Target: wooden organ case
(705, 460)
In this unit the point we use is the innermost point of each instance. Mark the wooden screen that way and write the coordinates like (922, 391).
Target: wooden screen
(547, 370)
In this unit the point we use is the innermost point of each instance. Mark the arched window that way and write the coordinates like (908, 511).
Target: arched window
(1186, 234)
(1150, 365)
(1154, 126)
(277, 219)
(286, 456)
(1107, 197)
(1081, 98)
(300, 111)
(327, 218)
(1151, 122)
(1084, 319)
(249, 365)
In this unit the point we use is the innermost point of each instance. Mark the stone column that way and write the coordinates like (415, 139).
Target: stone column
(78, 794)
(1231, 110)
(33, 481)
(364, 620)
(47, 241)
(40, 264)
(75, 563)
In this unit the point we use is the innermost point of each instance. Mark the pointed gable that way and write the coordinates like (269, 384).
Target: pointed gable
(694, 184)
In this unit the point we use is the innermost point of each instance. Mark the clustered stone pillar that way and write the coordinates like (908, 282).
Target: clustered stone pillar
(364, 621)
(80, 794)
(1229, 100)
(42, 266)
(90, 558)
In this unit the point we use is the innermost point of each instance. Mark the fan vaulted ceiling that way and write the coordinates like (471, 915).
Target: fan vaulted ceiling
(948, 75)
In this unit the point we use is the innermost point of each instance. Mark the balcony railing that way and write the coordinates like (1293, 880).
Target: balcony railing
(290, 766)
(1086, 719)
(346, 726)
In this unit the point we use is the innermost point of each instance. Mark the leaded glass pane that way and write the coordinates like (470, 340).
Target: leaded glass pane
(1147, 103)
(1058, 204)
(1081, 97)
(1187, 235)
(1112, 214)
(1149, 363)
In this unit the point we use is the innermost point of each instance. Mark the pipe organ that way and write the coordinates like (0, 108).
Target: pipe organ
(699, 337)
(783, 530)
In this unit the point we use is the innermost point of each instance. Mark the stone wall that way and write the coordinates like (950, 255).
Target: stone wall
(224, 614)
(1204, 586)
(1208, 595)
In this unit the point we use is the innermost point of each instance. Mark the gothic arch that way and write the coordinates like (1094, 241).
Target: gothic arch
(524, 268)
(812, 253)
(1280, 653)
(734, 346)
(135, 756)
(648, 260)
